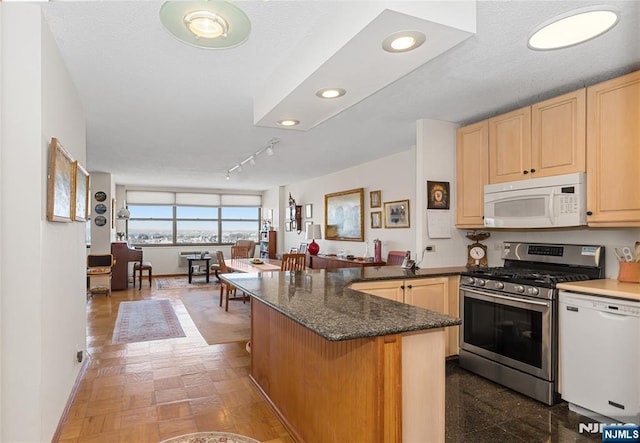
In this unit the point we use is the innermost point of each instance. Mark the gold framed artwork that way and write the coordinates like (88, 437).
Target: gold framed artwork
(81, 193)
(375, 199)
(343, 215)
(437, 195)
(396, 214)
(60, 183)
(376, 220)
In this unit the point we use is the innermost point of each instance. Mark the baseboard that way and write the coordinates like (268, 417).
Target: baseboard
(72, 397)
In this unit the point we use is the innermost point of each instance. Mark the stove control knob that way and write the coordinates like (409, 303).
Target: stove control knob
(480, 282)
(519, 288)
(468, 280)
(532, 291)
(498, 285)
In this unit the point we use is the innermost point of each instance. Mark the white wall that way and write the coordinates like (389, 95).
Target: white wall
(43, 285)
(435, 157)
(393, 175)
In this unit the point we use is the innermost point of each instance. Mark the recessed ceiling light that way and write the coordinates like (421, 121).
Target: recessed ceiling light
(403, 41)
(211, 24)
(331, 93)
(572, 28)
(206, 24)
(288, 122)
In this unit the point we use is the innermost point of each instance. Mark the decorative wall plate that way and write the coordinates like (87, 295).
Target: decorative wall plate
(100, 220)
(100, 208)
(100, 196)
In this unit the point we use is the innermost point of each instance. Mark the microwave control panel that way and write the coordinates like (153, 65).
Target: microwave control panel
(568, 203)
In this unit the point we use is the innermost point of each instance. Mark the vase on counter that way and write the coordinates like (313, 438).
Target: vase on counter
(377, 250)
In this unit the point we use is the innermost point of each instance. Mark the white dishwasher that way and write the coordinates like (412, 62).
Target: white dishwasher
(600, 356)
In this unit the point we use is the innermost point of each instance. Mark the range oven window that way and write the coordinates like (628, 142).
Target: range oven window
(513, 332)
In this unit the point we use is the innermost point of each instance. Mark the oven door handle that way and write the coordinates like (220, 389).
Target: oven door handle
(487, 294)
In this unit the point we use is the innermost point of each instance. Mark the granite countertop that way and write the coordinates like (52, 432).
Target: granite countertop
(322, 301)
(605, 287)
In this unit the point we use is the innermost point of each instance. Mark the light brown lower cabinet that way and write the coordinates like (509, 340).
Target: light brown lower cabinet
(438, 294)
(383, 389)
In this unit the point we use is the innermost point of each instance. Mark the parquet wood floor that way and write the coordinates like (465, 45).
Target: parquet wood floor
(155, 390)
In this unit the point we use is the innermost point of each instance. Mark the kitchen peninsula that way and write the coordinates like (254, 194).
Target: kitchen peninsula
(341, 365)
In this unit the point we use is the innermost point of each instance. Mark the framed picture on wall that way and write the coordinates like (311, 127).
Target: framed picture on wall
(308, 210)
(375, 199)
(376, 219)
(437, 195)
(60, 184)
(396, 214)
(343, 215)
(81, 193)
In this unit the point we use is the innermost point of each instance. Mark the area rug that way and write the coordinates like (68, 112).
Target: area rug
(211, 437)
(214, 323)
(146, 320)
(183, 282)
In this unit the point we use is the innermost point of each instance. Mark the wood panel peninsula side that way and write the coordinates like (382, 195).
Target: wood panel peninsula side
(340, 365)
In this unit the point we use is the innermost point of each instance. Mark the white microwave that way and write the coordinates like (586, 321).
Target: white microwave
(546, 202)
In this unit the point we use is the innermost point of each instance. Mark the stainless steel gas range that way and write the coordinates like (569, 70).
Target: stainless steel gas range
(509, 331)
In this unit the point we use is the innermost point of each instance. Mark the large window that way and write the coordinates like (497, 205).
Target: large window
(188, 224)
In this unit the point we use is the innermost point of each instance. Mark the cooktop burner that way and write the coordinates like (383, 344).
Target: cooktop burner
(540, 265)
(526, 276)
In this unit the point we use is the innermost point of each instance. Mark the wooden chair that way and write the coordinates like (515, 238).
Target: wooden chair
(396, 257)
(249, 244)
(99, 267)
(228, 288)
(239, 252)
(140, 267)
(293, 262)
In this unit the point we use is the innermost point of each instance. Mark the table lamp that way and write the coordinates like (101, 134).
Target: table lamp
(312, 233)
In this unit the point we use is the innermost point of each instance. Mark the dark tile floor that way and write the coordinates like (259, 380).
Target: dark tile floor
(478, 410)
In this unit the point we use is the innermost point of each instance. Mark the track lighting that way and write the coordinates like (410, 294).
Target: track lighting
(268, 150)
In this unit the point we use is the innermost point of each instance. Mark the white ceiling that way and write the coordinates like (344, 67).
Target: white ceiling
(164, 114)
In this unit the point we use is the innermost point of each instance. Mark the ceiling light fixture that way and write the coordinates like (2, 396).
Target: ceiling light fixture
(403, 41)
(206, 24)
(572, 28)
(252, 158)
(288, 122)
(331, 93)
(209, 24)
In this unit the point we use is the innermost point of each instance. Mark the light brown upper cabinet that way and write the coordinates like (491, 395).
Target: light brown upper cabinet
(613, 152)
(547, 138)
(558, 135)
(472, 173)
(510, 146)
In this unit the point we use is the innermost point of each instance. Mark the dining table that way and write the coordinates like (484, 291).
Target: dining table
(250, 265)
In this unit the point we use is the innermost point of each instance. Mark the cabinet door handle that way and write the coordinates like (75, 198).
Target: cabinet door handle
(525, 172)
(533, 170)
(402, 287)
(409, 286)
